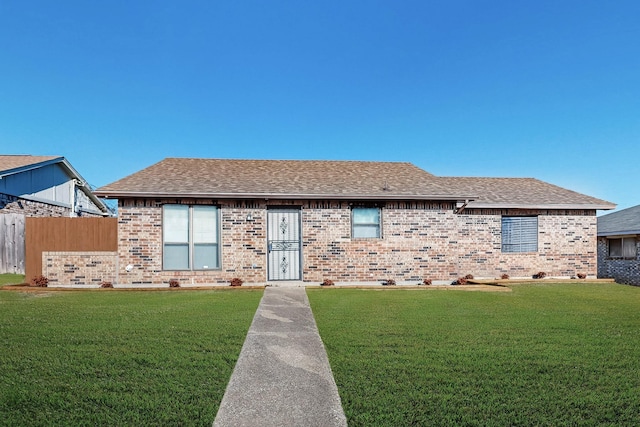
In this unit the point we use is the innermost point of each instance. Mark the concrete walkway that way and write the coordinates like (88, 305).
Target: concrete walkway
(282, 377)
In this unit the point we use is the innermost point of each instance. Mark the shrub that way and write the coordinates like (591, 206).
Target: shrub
(426, 282)
(236, 282)
(469, 277)
(460, 281)
(504, 276)
(389, 282)
(40, 281)
(581, 276)
(106, 285)
(327, 282)
(540, 275)
(173, 283)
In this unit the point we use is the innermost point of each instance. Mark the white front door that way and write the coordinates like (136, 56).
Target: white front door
(284, 244)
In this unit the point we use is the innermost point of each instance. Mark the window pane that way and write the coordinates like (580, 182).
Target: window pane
(365, 222)
(629, 247)
(519, 234)
(175, 224)
(205, 256)
(366, 231)
(205, 224)
(366, 216)
(175, 257)
(615, 247)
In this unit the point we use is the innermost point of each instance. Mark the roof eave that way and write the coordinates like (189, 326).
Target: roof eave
(568, 206)
(92, 196)
(280, 196)
(618, 233)
(83, 185)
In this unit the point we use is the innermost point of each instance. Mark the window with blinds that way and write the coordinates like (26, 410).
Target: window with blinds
(519, 234)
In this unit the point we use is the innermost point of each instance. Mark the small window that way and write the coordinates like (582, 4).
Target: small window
(190, 237)
(623, 248)
(365, 223)
(519, 234)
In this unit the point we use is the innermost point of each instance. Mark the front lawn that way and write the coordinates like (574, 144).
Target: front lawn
(544, 354)
(11, 279)
(119, 358)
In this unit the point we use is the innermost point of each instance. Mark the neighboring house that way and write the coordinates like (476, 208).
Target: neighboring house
(206, 221)
(38, 186)
(618, 246)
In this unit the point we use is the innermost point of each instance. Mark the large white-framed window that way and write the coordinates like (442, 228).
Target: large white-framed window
(519, 234)
(190, 238)
(623, 247)
(365, 223)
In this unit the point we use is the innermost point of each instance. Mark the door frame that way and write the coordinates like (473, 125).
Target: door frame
(290, 209)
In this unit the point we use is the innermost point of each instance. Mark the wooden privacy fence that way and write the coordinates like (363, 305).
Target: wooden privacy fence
(67, 235)
(12, 243)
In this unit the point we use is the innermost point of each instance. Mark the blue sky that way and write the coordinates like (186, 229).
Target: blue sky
(544, 89)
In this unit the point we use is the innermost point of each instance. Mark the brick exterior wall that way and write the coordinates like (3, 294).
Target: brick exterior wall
(415, 244)
(566, 244)
(420, 240)
(30, 208)
(625, 271)
(242, 245)
(79, 268)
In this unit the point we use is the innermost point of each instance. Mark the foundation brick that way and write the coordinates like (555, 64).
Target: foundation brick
(79, 268)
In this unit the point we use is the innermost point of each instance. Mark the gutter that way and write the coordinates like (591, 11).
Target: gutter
(614, 234)
(80, 182)
(555, 206)
(465, 201)
(280, 196)
(82, 185)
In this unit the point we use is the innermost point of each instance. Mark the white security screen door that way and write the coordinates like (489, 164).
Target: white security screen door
(283, 244)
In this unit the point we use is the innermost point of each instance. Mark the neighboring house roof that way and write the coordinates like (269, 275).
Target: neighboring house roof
(623, 222)
(14, 164)
(350, 180)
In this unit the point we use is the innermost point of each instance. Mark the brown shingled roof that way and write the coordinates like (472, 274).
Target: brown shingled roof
(301, 179)
(279, 178)
(9, 162)
(521, 193)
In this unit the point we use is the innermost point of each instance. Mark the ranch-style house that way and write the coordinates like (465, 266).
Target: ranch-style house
(206, 221)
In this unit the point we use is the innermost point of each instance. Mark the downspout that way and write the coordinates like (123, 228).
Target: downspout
(460, 208)
(72, 198)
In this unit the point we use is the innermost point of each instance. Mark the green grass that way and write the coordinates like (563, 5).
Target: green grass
(119, 358)
(544, 354)
(11, 279)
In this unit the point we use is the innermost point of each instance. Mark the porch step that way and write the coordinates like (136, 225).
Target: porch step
(289, 284)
